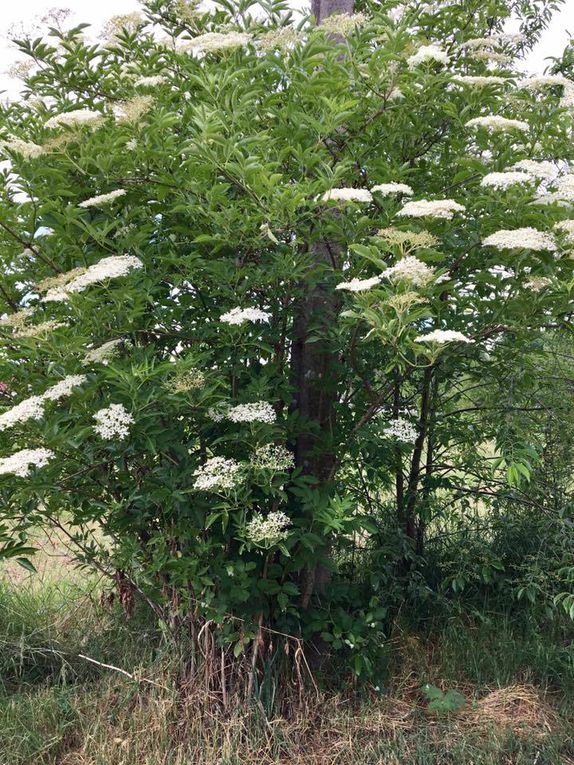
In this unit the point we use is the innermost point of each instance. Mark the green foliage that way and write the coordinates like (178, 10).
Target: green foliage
(442, 702)
(218, 168)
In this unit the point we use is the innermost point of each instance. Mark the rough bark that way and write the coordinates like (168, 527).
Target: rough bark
(314, 365)
(323, 8)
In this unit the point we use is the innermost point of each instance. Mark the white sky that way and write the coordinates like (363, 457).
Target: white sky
(96, 12)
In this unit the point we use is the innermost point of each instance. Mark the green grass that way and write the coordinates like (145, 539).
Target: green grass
(58, 709)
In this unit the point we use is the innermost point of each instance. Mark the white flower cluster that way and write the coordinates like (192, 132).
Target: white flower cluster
(113, 422)
(410, 269)
(443, 336)
(279, 37)
(537, 283)
(20, 463)
(359, 285)
(241, 315)
(387, 189)
(151, 81)
(64, 387)
(16, 319)
(567, 226)
(269, 530)
(108, 268)
(494, 41)
(496, 124)
(506, 179)
(434, 208)
(564, 188)
(102, 199)
(260, 411)
(543, 170)
(567, 100)
(521, 239)
(217, 473)
(39, 330)
(347, 195)
(77, 118)
(186, 380)
(342, 23)
(428, 53)
(273, 457)
(26, 149)
(402, 430)
(33, 408)
(479, 81)
(541, 82)
(103, 353)
(215, 41)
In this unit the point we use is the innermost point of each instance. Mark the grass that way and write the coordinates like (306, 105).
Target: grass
(59, 709)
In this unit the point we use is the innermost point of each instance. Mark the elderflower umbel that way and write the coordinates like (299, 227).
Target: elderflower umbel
(77, 118)
(25, 149)
(190, 379)
(260, 411)
(342, 24)
(506, 179)
(130, 111)
(50, 282)
(17, 319)
(20, 463)
(410, 269)
(347, 195)
(359, 285)
(279, 38)
(113, 422)
(387, 189)
(567, 226)
(543, 170)
(567, 100)
(402, 430)
(267, 531)
(496, 124)
(537, 283)
(241, 315)
(541, 82)
(63, 388)
(403, 301)
(564, 188)
(478, 81)
(434, 208)
(111, 267)
(521, 239)
(151, 81)
(272, 457)
(217, 473)
(33, 408)
(30, 409)
(102, 199)
(103, 353)
(216, 41)
(411, 239)
(428, 53)
(39, 330)
(443, 336)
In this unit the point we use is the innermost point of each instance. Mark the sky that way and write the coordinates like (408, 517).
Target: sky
(26, 12)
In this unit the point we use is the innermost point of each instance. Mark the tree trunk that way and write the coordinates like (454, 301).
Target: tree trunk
(315, 365)
(323, 8)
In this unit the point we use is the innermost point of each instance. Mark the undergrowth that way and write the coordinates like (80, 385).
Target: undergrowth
(59, 707)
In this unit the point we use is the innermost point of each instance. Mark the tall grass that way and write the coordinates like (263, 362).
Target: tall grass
(57, 708)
